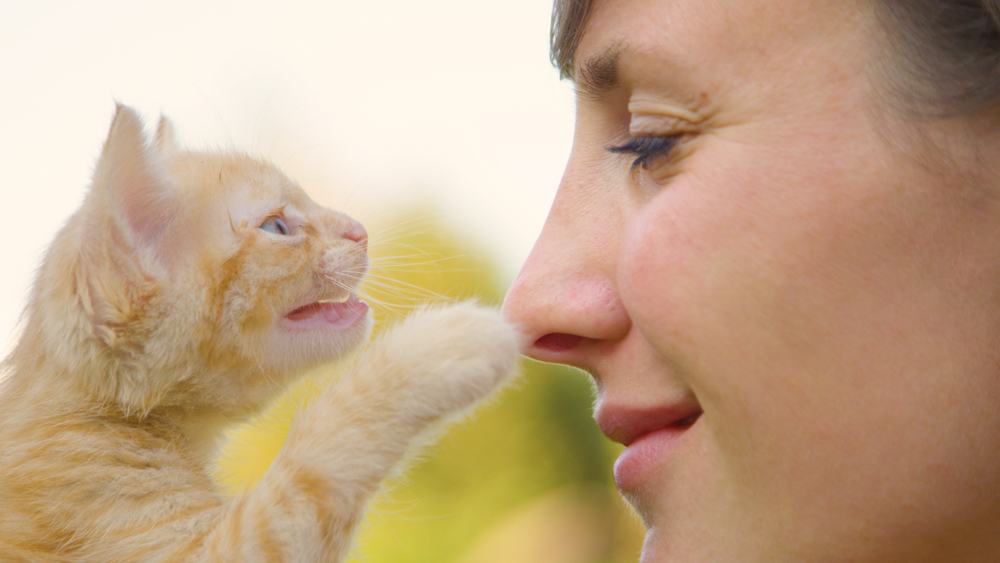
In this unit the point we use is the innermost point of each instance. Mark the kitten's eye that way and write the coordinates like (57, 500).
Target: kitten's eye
(275, 225)
(646, 149)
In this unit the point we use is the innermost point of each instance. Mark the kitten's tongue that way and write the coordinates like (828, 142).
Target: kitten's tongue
(331, 315)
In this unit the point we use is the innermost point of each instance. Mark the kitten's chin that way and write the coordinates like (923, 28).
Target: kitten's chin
(312, 341)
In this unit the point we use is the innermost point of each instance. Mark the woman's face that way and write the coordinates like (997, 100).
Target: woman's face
(817, 278)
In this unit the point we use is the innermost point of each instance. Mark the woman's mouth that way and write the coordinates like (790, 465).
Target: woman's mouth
(330, 314)
(650, 434)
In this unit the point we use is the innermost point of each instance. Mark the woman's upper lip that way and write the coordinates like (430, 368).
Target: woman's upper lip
(625, 424)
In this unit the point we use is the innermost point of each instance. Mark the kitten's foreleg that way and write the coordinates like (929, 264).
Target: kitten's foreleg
(434, 364)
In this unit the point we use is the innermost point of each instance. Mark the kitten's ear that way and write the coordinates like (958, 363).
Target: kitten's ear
(131, 183)
(165, 140)
(124, 257)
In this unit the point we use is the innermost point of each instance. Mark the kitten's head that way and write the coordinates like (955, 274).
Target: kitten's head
(195, 278)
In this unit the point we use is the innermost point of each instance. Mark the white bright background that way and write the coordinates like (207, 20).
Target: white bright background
(370, 105)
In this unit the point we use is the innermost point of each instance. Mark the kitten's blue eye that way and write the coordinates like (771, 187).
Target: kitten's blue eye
(275, 225)
(646, 149)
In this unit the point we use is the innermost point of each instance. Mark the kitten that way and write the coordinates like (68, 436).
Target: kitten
(186, 292)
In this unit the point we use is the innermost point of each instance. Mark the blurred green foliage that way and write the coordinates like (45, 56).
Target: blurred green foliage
(526, 479)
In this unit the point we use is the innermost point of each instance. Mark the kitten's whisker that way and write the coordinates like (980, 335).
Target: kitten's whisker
(400, 291)
(405, 268)
(414, 292)
(337, 282)
(410, 255)
(408, 260)
(407, 226)
(388, 307)
(368, 298)
(381, 245)
(392, 280)
(382, 241)
(361, 293)
(385, 247)
(405, 298)
(395, 285)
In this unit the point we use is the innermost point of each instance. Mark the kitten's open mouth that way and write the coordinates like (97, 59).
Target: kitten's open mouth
(327, 313)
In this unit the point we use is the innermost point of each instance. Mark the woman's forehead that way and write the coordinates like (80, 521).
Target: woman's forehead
(701, 28)
(695, 44)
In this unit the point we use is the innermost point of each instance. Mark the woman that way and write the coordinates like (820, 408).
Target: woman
(776, 248)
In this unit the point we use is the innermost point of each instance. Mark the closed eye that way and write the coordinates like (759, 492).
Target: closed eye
(275, 225)
(646, 149)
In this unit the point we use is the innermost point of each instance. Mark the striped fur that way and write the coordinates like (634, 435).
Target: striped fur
(156, 319)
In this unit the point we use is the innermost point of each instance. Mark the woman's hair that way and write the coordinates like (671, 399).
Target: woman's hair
(944, 55)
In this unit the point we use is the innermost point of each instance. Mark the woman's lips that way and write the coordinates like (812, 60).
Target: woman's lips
(649, 434)
(643, 455)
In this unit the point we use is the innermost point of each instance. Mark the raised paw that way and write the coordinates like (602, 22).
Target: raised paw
(454, 355)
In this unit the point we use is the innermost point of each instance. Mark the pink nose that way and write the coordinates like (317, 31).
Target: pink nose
(356, 232)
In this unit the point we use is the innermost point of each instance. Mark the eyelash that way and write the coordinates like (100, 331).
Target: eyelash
(646, 149)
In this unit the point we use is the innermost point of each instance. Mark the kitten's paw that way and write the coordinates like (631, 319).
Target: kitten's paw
(457, 353)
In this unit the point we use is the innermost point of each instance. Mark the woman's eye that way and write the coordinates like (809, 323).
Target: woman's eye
(646, 149)
(275, 225)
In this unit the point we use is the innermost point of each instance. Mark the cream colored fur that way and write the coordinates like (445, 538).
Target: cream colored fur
(156, 318)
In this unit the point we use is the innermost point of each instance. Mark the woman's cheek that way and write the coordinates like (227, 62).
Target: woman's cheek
(696, 271)
(700, 276)
(657, 272)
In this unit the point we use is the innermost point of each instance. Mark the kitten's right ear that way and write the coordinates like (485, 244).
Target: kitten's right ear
(165, 140)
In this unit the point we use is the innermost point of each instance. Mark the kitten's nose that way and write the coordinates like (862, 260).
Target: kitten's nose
(336, 225)
(356, 232)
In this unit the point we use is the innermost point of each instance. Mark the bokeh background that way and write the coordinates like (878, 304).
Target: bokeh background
(439, 124)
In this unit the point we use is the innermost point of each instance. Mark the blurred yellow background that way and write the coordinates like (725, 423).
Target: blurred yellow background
(439, 124)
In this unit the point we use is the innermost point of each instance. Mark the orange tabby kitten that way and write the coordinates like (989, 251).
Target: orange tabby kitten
(186, 292)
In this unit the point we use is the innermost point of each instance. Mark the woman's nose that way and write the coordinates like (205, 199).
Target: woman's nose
(564, 300)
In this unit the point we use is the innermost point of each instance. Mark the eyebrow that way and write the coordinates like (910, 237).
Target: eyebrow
(599, 74)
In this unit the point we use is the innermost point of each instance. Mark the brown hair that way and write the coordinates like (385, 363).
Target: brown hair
(945, 54)
(568, 19)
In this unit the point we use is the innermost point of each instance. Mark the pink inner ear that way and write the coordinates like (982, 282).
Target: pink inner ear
(138, 191)
(141, 200)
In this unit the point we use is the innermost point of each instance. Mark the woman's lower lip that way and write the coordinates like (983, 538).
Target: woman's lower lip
(640, 459)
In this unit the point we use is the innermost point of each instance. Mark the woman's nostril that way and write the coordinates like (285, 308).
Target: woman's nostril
(558, 342)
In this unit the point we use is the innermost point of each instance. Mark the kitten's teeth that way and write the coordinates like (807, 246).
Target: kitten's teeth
(337, 300)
